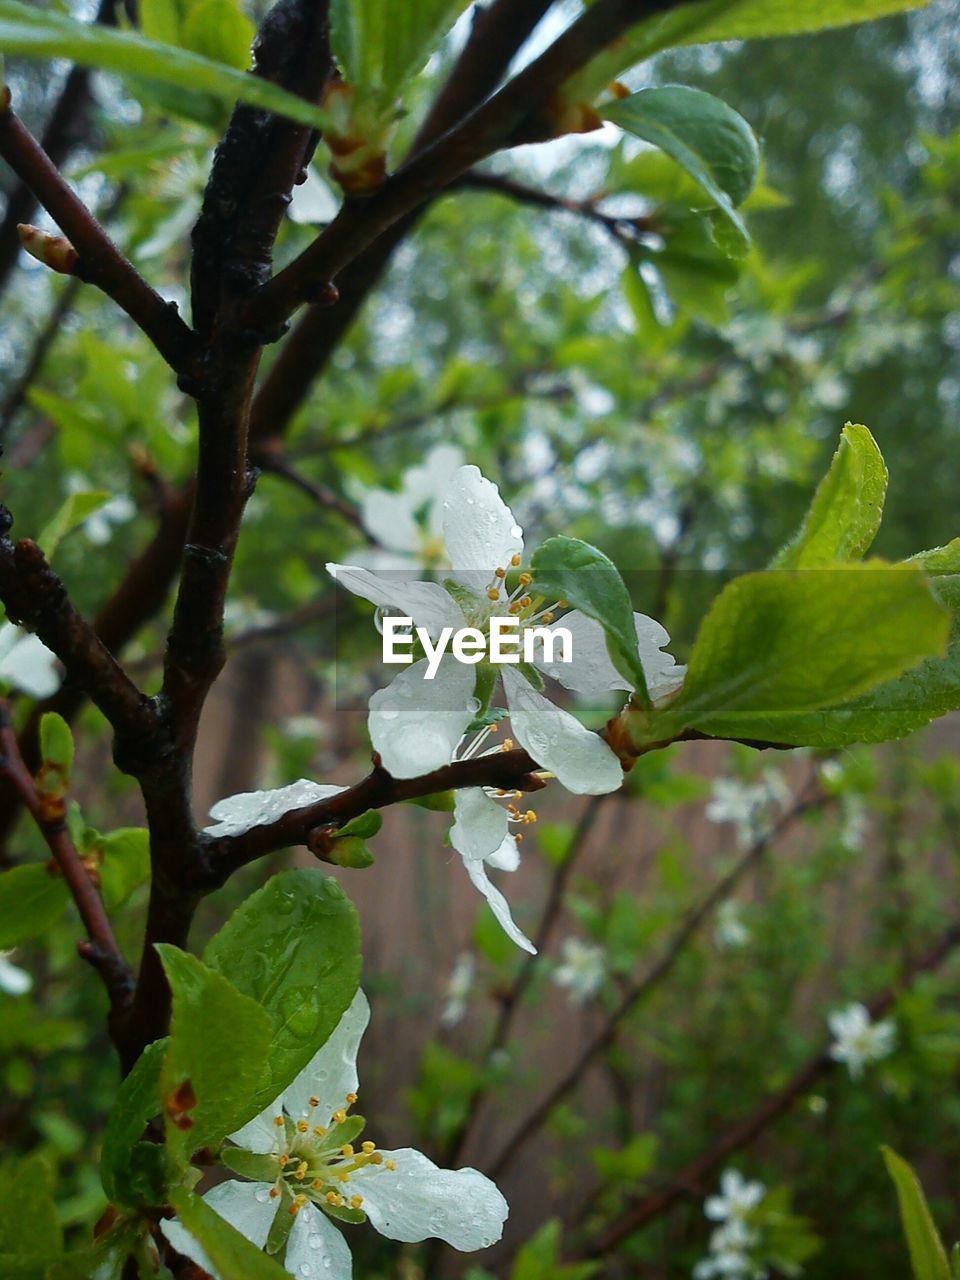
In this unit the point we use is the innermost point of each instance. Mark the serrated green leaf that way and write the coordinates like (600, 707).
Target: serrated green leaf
(137, 1102)
(927, 1254)
(568, 569)
(213, 1070)
(41, 33)
(79, 506)
(845, 513)
(788, 641)
(294, 947)
(712, 143)
(31, 900)
(231, 1253)
(381, 45)
(940, 559)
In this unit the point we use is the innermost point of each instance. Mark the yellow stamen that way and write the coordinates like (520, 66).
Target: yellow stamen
(274, 1193)
(525, 602)
(506, 744)
(301, 1172)
(351, 1098)
(314, 1102)
(493, 594)
(319, 1131)
(302, 1126)
(339, 1116)
(525, 579)
(331, 1197)
(356, 1202)
(278, 1121)
(343, 1177)
(515, 559)
(316, 1184)
(391, 1165)
(346, 1150)
(283, 1161)
(376, 1158)
(369, 1147)
(500, 573)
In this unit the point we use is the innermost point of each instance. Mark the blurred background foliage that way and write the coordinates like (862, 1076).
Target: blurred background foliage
(624, 384)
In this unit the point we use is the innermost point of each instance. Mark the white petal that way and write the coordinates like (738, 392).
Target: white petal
(478, 528)
(245, 1205)
(416, 724)
(477, 872)
(27, 664)
(389, 518)
(479, 824)
(14, 980)
(581, 760)
(315, 1248)
(507, 857)
(239, 813)
(332, 1072)
(430, 481)
(259, 1134)
(425, 602)
(417, 1200)
(591, 672)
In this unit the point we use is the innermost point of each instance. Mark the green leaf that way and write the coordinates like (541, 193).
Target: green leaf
(294, 947)
(845, 514)
(31, 900)
(160, 20)
(380, 45)
(56, 744)
(231, 1253)
(216, 1058)
(131, 1169)
(29, 1226)
(927, 1254)
(219, 30)
(939, 559)
(350, 852)
(249, 1164)
(539, 1259)
(39, 33)
(79, 506)
(363, 826)
(891, 710)
(712, 143)
(784, 641)
(438, 802)
(125, 863)
(568, 569)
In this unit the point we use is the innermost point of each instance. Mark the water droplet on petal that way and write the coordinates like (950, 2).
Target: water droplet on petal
(262, 1194)
(516, 531)
(389, 713)
(473, 706)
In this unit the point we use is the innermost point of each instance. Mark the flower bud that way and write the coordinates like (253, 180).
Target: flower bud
(54, 252)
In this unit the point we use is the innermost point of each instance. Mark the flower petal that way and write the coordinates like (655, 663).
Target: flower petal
(591, 672)
(479, 529)
(425, 602)
(332, 1072)
(581, 760)
(417, 1200)
(390, 519)
(429, 481)
(245, 1205)
(507, 857)
(477, 872)
(13, 980)
(315, 1248)
(27, 664)
(416, 724)
(479, 824)
(239, 813)
(259, 1134)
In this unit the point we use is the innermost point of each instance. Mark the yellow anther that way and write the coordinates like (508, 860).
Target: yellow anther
(530, 816)
(493, 728)
(356, 1202)
(339, 1116)
(300, 1199)
(346, 1150)
(518, 837)
(314, 1102)
(302, 1126)
(317, 1184)
(514, 609)
(331, 1197)
(391, 1165)
(525, 602)
(343, 1177)
(515, 559)
(500, 573)
(493, 593)
(561, 604)
(369, 1147)
(525, 579)
(376, 1158)
(274, 1192)
(351, 1098)
(278, 1121)
(283, 1161)
(506, 744)
(319, 1131)
(547, 617)
(301, 1172)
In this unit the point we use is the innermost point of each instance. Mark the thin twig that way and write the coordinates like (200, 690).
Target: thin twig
(274, 462)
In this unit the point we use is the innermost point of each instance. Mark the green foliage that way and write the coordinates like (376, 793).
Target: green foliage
(125, 862)
(381, 46)
(294, 948)
(712, 144)
(216, 29)
(76, 508)
(568, 569)
(220, 1041)
(32, 898)
(846, 510)
(30, 1231)
(927, 1254)
(56, 746)
(230, 1252)
(132, 1168)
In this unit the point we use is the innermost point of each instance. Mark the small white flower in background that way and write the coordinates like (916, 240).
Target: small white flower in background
(751, 807)
(730, 1244)
(458, 989)
(13, 980)
(583, 969)
(408, 524)
(729, 932)
(418, 725)
(858, 1040)
(26, 663)
(853, 822)
(304, 726)
(314, 1169)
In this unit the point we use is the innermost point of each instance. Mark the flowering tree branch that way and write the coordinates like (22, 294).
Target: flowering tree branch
(101, 949)
(96, 259)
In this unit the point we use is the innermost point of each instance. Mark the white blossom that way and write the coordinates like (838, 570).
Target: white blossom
(311, 1169)
(583, 970)
(732, 1242)
(730, 933)
(13, 980)
(458, 990)
(749, 806)
(858, 1040)
(407, 525)
(26, 663)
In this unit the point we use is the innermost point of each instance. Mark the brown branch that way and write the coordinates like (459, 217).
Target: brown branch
(273, 461)
(692, 1177)
(640, 990)
(100, 262)
(101, 950)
